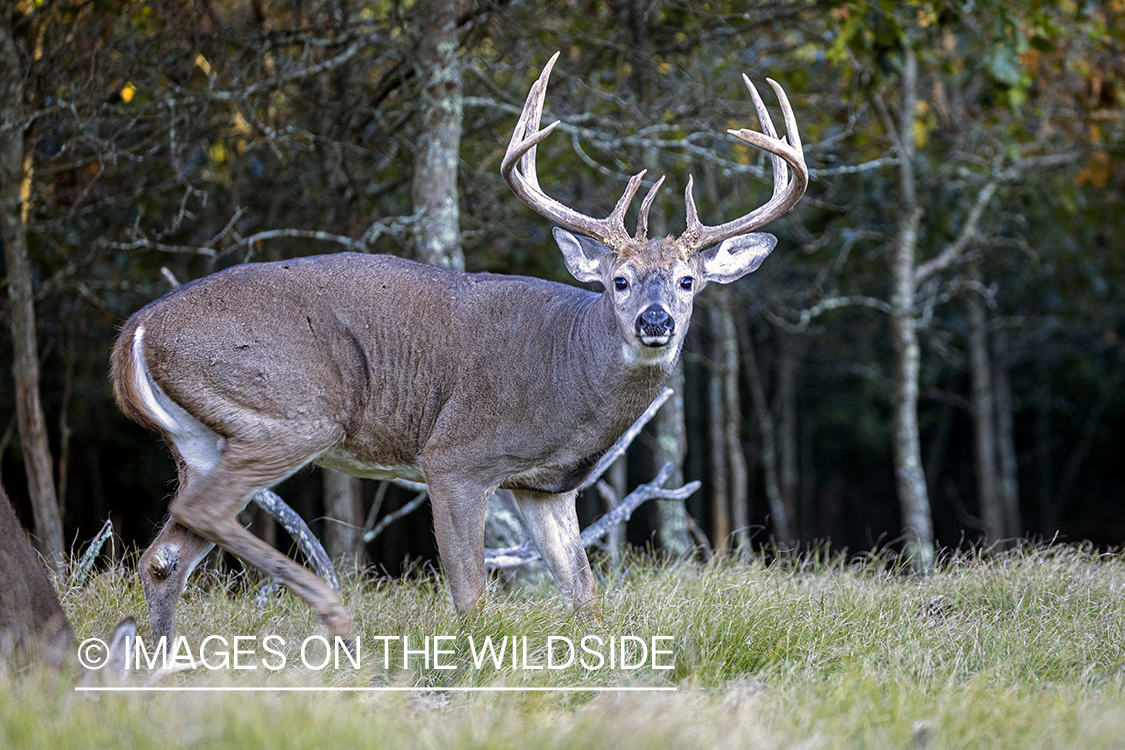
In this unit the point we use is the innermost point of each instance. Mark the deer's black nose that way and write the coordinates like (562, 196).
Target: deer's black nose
(655, 326)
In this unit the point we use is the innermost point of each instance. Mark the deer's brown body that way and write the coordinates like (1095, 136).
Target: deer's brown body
(31, 616)
(380, 367)
(32, 621)
(318, 346)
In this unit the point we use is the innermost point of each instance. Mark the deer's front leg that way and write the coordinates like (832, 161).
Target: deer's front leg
(458, 508)
(552, 521)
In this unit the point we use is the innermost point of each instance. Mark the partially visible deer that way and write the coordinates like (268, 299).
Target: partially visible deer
(380, 367)
(32, 621)
(31, 616)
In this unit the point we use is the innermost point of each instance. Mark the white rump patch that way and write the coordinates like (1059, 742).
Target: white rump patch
(197, 444)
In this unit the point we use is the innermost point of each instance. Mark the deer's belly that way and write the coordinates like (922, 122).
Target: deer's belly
(553, 479)
(341, 460)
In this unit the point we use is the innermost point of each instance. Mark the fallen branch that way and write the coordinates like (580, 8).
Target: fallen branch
(615, 452)
(90, 556)
(306, 541)
(525, 553)
(390, 518)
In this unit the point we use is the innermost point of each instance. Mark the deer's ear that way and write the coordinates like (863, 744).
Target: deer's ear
(734, 258)
(586, 258)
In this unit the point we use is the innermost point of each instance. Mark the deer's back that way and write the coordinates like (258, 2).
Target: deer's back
(376, 344)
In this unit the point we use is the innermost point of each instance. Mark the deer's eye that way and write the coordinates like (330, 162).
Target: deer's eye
(686, 283)
(620, 284)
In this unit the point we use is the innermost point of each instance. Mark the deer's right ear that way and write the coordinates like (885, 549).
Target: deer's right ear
(585, 257)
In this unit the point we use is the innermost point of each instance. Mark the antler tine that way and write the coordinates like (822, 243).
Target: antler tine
(791, 131)
(642, 220)
(521, 147)
(536, 97)
(616, 219)
(781, 174)
(785, 192)
(518, 170)
(693, 225)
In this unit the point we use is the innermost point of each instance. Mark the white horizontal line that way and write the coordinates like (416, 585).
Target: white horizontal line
(393, 689)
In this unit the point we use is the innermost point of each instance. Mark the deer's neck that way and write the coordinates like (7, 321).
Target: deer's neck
(612, 367)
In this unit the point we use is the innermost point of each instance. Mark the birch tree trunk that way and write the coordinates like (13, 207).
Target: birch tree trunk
(984, 410)
(434, 191)
(779, 515)
(617, 478)
(14, 171)
(671, 515)
(910, 481)
(1006, 441)
(343, 506)
(720, 486)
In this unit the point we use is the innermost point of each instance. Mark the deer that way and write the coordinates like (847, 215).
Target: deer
(33, 625)
(381, 367)
(31, 616)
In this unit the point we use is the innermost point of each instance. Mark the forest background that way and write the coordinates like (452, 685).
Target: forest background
(932, 357)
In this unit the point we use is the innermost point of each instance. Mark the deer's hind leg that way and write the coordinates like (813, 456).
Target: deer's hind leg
(209, 504)
(164, 568)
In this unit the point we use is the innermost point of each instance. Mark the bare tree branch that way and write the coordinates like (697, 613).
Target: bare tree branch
(394, 225)
(306, 541)
(525, 553)
(600, 468)
(968, 231)
(390, 518)
(955, 249)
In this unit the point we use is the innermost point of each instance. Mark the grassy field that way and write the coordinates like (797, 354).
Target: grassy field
(1023, 649)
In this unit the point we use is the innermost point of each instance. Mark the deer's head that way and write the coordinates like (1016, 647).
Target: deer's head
(653, 282)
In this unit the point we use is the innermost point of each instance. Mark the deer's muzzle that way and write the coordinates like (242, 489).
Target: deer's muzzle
(655, 326)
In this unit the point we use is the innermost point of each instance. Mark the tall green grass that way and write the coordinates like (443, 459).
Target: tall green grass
(1021, 649)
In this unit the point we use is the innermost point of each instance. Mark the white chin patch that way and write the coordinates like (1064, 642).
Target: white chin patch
(660, 353)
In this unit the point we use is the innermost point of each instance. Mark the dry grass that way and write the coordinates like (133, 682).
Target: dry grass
(1024, 649)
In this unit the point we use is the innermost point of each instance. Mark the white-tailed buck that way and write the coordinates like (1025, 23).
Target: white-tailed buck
(379, 367)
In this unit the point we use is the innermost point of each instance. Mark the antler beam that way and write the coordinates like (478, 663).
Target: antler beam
(518, 169)
(785, 193)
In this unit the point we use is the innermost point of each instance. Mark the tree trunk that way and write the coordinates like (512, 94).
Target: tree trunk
(1048, 518)
(720, 486)
(1006, 440)
(779, 515)
(671, 515)
(910, 480)
(984, 410)
(343, 507)
(732, 429)
(617, 478)
(787, 442)
(21, 324)
(434, 191)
